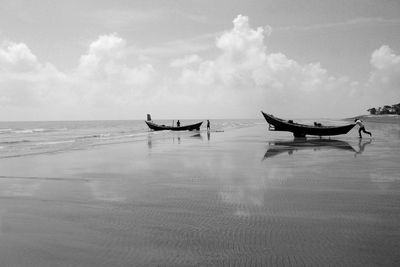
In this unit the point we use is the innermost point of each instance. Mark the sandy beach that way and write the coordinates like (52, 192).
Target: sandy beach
(243, 197)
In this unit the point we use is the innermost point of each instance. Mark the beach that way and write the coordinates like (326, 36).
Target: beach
(239, 196)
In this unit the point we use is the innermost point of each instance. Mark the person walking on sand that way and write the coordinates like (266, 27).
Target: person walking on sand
(208, 125)
(362, 128)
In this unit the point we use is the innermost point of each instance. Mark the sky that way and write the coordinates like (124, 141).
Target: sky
(192, 59)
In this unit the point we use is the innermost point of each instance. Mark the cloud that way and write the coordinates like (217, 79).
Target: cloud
(241, 51)
(24, 81)
(107, 82)
(384, 80)
(107, 61)
(177, 48)
(113, 80)
(103, 82)
(17, 58)
(105, 49)
(246, 78)
(385, 59)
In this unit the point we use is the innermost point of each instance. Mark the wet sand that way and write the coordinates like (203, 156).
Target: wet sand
(244, 197)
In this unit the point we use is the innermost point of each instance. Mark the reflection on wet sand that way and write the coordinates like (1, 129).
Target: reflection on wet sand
(149, 141)
(175, 137)
(361, 146)
(289, 147)
(197, 136)
(18, 187)
(178, 140)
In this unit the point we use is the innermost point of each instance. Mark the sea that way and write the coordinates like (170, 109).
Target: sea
(19, 139)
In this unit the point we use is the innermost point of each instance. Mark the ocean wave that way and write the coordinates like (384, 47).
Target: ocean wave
(90, 136)
(24, 131)
(14, 142)
(55, 142)
(34, 130)
(91, 139)
(7, 130)
(107, 136)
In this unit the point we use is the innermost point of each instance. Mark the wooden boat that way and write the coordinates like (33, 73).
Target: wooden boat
(301, 130)
(158, 127)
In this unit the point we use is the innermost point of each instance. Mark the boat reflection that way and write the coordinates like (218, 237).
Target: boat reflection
(289, 147)
(176, 138)
(196, 136)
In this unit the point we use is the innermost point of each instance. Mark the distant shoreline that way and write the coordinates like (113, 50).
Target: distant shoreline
(390, 118)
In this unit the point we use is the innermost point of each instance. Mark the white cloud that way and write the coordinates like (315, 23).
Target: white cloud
(17, 58)
(102, 83)
(107, 60)
(383, 85)
(384, 58)
(247, 78)
(106, 80)
(24, 81)
(113, 81)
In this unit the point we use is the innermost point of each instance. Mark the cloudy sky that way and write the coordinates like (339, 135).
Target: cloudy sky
(109, 59)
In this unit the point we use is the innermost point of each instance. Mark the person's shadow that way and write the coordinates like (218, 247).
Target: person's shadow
(361, 147)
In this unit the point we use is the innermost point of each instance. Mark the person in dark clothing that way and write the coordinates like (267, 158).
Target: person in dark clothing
(362, 128)
(208, 125)
(178, 123)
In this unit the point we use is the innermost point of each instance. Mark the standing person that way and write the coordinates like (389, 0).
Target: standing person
(208, 125)
(178, 123)
(362, 128)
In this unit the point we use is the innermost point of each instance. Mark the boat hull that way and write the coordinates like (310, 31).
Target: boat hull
(156, 127)
(301, 130)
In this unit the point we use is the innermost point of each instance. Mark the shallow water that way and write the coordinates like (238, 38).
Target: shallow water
(242, 197)
(32, 138)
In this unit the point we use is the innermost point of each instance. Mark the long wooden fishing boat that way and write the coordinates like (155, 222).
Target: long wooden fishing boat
(301, 130)
(161, 127)
(158, 127)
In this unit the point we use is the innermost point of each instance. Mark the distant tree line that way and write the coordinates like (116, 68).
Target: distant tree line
(394, 109)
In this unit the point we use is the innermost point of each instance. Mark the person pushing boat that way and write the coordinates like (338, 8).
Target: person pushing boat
(362, 127)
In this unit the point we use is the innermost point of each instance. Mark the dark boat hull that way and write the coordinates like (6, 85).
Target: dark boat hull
(157, 127)
(301, 130)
